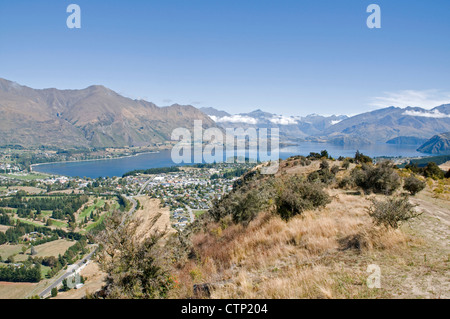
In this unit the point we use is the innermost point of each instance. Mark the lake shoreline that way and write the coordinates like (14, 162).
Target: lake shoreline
(116, 167)
(89, 160)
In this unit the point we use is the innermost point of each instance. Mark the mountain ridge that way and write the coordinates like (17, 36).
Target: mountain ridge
(388, 125)
(92, 117)
(438, 144)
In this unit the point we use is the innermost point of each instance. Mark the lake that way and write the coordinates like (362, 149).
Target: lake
(117, 167)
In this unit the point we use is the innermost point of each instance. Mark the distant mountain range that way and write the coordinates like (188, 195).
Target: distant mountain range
(291, 127)
(99, 117)
(383, 125)
(92, 117)
(411, 125)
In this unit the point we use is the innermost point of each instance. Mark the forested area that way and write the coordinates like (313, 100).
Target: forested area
(21, 273)
(61, 206)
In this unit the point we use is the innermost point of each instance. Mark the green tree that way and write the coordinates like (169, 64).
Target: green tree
(432, 170)
(134, 265)
(65, 286)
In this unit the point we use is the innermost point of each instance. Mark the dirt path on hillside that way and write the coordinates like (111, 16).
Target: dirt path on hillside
(435, 219)
(425, 273)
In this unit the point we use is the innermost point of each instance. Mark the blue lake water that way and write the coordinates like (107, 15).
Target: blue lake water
(117, 167)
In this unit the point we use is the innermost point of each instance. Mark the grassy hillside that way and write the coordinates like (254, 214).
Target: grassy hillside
(320, 252)
(317, 229)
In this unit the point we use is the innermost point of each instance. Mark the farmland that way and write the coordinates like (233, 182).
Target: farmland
(45, 231)
(53, 248)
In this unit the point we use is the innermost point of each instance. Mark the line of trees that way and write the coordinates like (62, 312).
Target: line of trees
(61, 206)
(158, 170)
(21, 273)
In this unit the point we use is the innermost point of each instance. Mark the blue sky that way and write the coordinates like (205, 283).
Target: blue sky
(286, 57)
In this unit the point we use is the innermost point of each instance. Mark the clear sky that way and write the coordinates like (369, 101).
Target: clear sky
(283, 56)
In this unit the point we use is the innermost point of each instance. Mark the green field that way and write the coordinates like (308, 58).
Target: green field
(88, 210)
(58, 223)
(44, 271)
(28, 177)
(46, 213)
(28, 222)
(100, 220)
(199, 212)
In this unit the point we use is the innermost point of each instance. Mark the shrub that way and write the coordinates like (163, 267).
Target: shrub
(433, 171)
(335, 169)
(413, 185)
(324, 174)
(243, 203)
(346, 164)
(324, 164)
(295, 196)
(392, 212)
(381, 178)
(361, 158)
(346, 182)
(134, 263)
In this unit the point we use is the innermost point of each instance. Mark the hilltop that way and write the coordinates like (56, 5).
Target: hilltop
(244, 248)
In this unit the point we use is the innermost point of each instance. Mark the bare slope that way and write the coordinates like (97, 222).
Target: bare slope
(92, 117)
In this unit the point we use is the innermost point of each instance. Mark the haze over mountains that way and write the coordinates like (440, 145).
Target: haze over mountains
(411, 125)
(99, 117)
(291, 127)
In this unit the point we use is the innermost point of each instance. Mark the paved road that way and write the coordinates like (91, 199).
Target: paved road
(131, 211)
(69, 272)
(144, 186)
(191, 214)
(134, 202)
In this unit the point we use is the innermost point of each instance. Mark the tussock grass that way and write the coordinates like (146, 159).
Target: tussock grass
(300, 258)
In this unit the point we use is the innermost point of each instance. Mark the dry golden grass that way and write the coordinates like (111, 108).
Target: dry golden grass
(29, 189)
(152, 217)
(3, 228)
(301, 258)
(9, 290)
(7, 250)
(53, 248)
